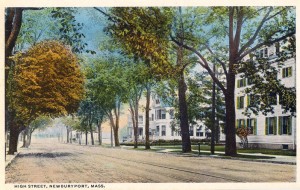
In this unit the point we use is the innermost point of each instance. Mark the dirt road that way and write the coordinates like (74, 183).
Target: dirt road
(53, 162)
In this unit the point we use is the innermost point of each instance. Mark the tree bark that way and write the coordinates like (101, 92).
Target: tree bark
(132, 110)
(230, 146)
(68, 134)
(100, 132)
(116, 129)
(13, 138)
(86, 137)
(148, 94)
(91, 130)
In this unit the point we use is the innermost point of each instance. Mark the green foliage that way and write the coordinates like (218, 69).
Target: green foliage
(144, 32)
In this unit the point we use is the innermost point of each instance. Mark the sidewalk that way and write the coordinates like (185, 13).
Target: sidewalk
(10, 158)
(278, 159)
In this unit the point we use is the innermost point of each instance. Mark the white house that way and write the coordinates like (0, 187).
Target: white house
(275, 130)
(160, 127)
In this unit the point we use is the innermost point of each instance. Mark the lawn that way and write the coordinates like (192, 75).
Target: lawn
(221, 148)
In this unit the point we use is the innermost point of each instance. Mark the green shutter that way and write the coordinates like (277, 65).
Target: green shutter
(243, 123)
(237, 102)
(248, 100)
(283, 73)
(266, 126)
(255, 127)
(238, 83)
(290, 71)
(289, 128)
(280, 125)
(275, 126)
(236, 123)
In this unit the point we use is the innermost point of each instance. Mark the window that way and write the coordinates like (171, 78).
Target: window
(199, 133)
(286, 72)
(241, 83)
(240, 123)
(252, 99)
(157, 101)
(263, 53)
(277, 46)
(140, 131)
(140, 119)
(271, 125)
(272, 98)
(171, 112)
(157, 130)
(160, 114)
(249, 81)
(191, 131)
(240, 102)
(251, 125)
(266, 52)
(152, 117)
(163, 130)
(285, 125)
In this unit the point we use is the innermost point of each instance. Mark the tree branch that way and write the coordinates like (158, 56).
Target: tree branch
(217, 59)
(265, 43)
(204, 63)
(252, 39)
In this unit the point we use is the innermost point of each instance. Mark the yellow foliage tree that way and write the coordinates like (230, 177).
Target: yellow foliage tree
(47, 80)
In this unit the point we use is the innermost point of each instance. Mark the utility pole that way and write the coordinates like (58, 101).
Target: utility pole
(213, 115)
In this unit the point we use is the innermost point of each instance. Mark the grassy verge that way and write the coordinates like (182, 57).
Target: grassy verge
(221, 148)
(228, 157)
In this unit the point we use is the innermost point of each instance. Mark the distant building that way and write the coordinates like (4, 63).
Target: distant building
(160, 127)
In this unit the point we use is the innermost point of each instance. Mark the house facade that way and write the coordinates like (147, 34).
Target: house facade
(275, 130)
(160, 125)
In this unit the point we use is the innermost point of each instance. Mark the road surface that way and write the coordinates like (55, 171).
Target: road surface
(53, 162)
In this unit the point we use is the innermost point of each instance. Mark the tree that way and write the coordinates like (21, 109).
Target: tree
(40, 122)
(46, 81)
(145, 33)
(246, 29)
(109, 88)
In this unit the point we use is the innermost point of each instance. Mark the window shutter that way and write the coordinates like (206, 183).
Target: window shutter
(236, 123)
(289, 128)
(237, 102)
(266, 126)
(290, 71)
(248, 100)
(280, 125)
(275, 125)
(283, 72)
(238, 83)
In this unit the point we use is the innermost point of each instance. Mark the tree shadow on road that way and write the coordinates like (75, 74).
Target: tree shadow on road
(44, 155)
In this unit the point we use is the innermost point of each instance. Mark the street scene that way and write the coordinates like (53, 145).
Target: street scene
(48, 161)
(199, 94)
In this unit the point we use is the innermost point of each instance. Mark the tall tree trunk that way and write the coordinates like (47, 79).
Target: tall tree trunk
(71, 137)
(29, 138)
(183, 114)
(100, 132)
(91, 130)
(132, 110)
(213, 116)
(111, 136)
(13, 138)
(148, 93)
(136, 114)
(230, 147)
(116, 129)
(24, 134)
(68, 134)
(86, 137)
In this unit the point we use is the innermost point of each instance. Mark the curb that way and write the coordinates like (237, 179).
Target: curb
(7, 163)
(235, 158)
